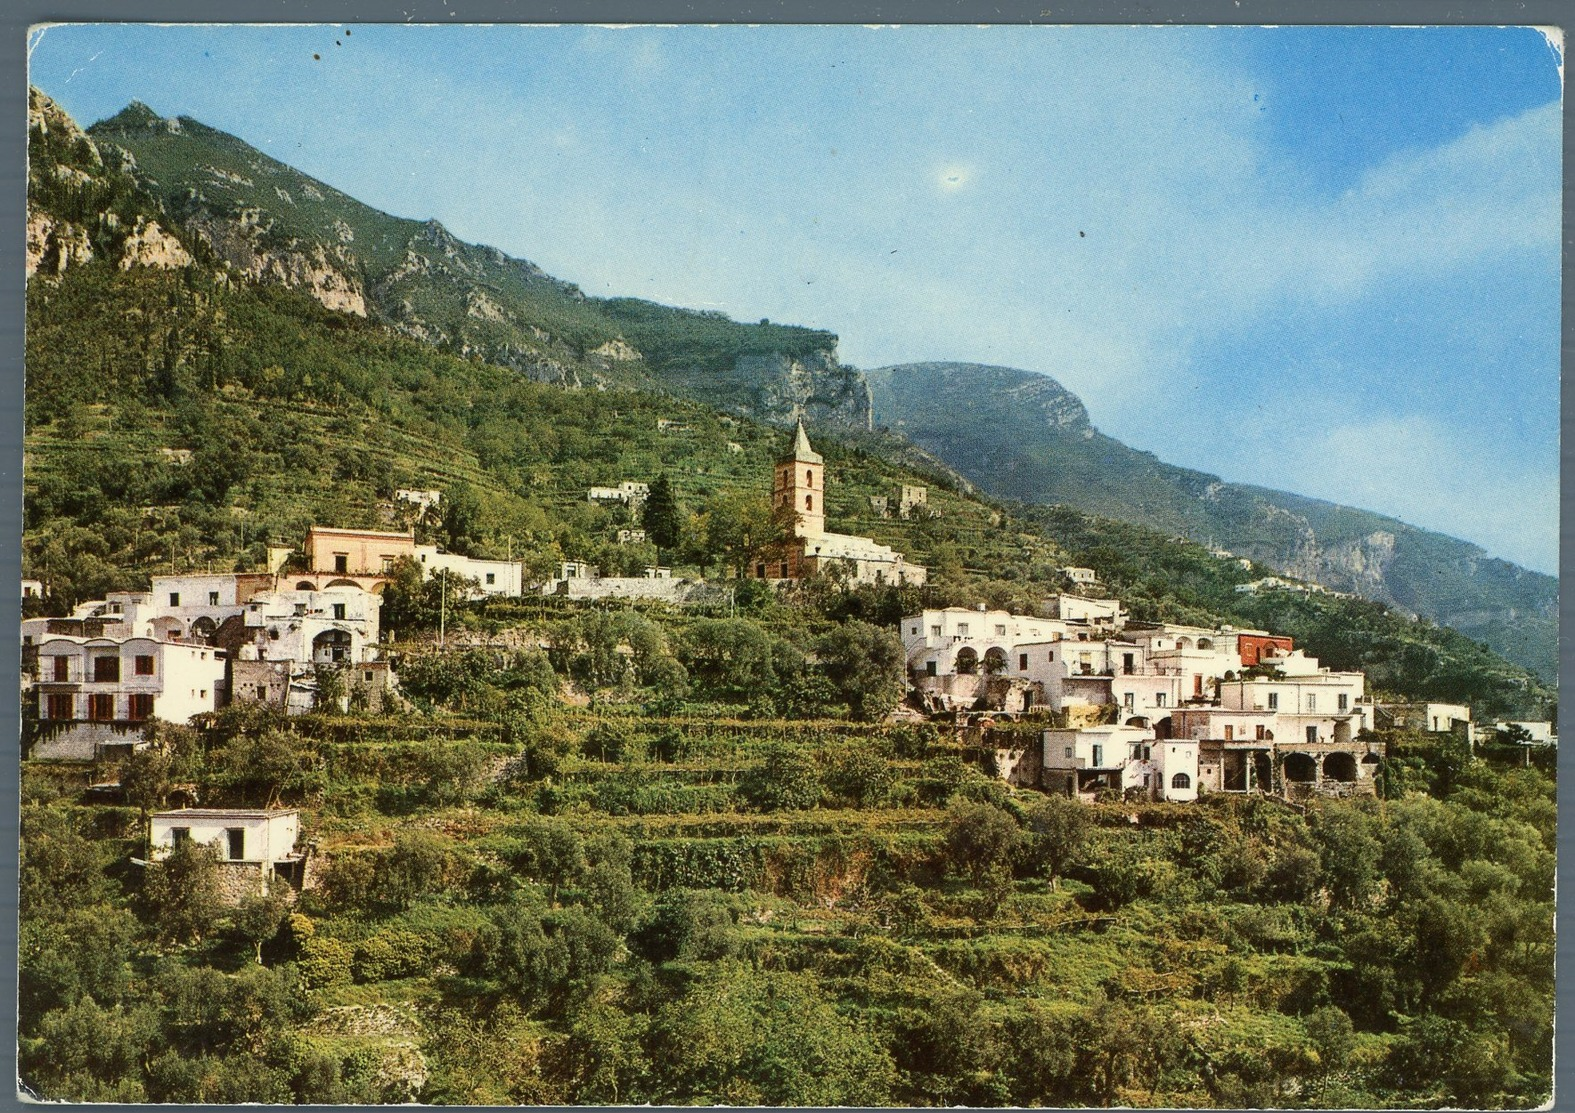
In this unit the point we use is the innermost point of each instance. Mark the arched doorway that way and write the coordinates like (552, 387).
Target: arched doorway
(967, 660)
(995, 660)
(1301, 768)
(331, 647)
(203, 629)
(1339, 767)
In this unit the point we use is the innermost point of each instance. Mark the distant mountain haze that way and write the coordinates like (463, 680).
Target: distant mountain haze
(1014, 434)
(1021, 435)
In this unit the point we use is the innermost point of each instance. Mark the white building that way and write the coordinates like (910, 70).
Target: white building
(949, 640)
(1433, 718)
(422, 499)
(1080, 762)
(256, 847)
(493, 577)
(96, 692)
(1107, 613)
(1317, 704)
(628, 493)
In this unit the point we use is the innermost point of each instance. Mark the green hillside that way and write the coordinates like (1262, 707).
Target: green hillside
(1015, 435)
(631, 854)
(256, 215)
(221, 416)
(1020, 435)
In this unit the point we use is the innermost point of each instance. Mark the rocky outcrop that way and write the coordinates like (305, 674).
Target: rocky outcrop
(1359, 565)
(148, 245)
(240, 241)
(53, 245)
(615, 351)
(50, 125)
(814, 388)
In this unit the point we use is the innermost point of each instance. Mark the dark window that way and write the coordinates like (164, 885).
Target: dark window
(62, 669)
(101, 707)
(262, 692)
(809, 477)
(60, 707)
(106, 669)
(929, 668)
(1022, 662)
(174, 598)
(1312, 736)
(1126, 664)
(180, 836)
(491, 578)
(1181, 780)
(236, 838)
(809, 502)
(141, 706)
(1274, 701)
(1345, 702)
(144, 664)
(339, 610)
(341, 562)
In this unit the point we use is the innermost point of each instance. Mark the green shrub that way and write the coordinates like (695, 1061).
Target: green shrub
(326, 962)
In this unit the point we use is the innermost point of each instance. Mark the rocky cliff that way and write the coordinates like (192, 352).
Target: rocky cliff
(267, 222)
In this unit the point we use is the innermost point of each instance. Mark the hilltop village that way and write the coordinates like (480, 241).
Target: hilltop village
(1124, 709)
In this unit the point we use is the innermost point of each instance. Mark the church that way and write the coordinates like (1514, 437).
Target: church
(798, 486)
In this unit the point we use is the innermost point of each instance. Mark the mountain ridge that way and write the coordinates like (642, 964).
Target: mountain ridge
(263, 221)
(266, 221)
(1019, 434)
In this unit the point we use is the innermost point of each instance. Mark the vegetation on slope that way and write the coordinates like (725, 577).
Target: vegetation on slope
(635, 855)
(524, 902)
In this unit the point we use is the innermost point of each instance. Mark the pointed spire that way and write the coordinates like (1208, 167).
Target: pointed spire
(801, 446)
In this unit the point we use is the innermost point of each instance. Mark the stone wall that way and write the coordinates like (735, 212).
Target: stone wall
(239, 880)
(638, 587)
(82, 741)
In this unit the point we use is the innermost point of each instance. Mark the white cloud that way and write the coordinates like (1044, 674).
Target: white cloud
(1417, 463)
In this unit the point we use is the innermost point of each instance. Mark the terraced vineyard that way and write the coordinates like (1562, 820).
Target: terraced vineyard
(632, 902)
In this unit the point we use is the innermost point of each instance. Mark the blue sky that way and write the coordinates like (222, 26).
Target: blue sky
(1325, 260)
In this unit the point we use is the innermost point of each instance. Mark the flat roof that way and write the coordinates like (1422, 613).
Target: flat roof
(406, 535)
(226, 813)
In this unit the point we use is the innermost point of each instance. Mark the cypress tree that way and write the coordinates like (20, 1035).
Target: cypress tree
(661, 517)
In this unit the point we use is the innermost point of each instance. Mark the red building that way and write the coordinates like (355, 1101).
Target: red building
(1253, 647)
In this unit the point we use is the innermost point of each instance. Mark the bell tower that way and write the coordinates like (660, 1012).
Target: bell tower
(800, 483)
